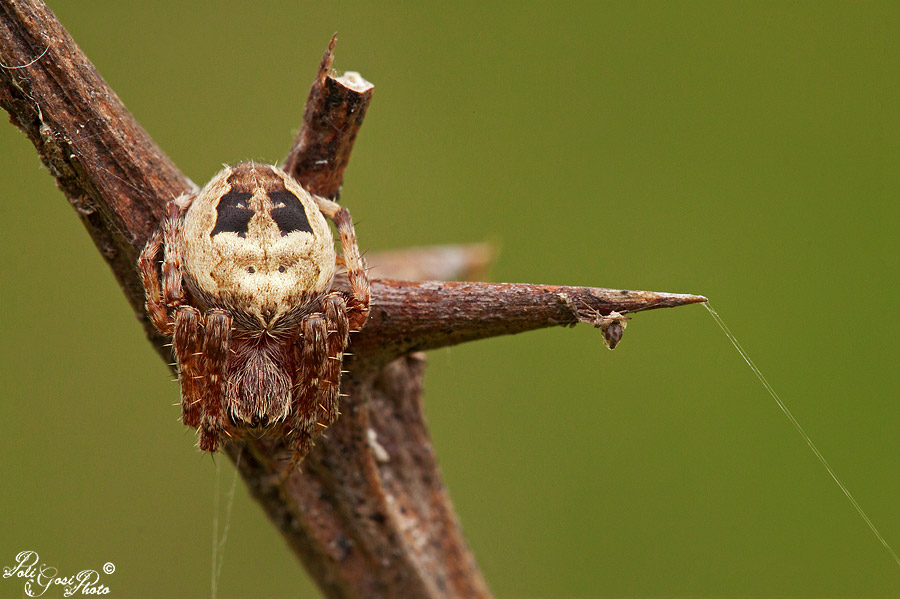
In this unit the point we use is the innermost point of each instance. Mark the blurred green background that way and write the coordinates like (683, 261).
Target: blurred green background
(745, 152)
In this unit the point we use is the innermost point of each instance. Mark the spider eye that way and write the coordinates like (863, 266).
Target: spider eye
(289, 213)
(233, 215)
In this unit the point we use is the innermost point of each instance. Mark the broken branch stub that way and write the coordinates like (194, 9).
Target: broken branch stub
(334, 112)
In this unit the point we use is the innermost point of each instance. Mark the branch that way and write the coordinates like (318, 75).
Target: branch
(407, 317)
(369, 515)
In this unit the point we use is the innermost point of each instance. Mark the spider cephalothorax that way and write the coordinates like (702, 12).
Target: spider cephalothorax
(245, 292)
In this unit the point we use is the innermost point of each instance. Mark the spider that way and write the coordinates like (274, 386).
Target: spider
(245, 292)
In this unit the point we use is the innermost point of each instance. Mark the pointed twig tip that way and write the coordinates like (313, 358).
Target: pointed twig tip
(327, 59)
(695, 299)
(637, 301)
(671, 300)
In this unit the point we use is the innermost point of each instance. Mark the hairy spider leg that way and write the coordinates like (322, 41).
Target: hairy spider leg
(311, 355)
(149, 267)
(188, 343)
(216, 342)
(338, 336)
(319, 353)
(187, 331)
(173, 292)
(358, 304)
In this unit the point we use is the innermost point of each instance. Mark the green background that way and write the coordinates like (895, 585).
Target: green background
(745, 152)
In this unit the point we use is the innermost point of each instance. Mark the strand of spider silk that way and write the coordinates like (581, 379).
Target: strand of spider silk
(215, 535)
(229, 504)
(799, 428)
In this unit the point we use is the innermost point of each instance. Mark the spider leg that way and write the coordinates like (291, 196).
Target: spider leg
(171, 267)
(216, 341)
(159, 298)
(318, 377)
(188, 342)
(358, 303)
(311, 354)
(149, 268)
(338, 335)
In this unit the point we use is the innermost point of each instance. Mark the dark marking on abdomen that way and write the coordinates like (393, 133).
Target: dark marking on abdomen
(234, 213)
(288, 213)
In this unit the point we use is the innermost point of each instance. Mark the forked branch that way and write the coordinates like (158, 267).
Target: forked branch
(369, 515)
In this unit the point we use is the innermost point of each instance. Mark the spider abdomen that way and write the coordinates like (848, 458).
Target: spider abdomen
(256, 243)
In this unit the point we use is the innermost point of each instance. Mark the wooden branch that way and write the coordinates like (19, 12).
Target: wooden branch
(369, 515)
